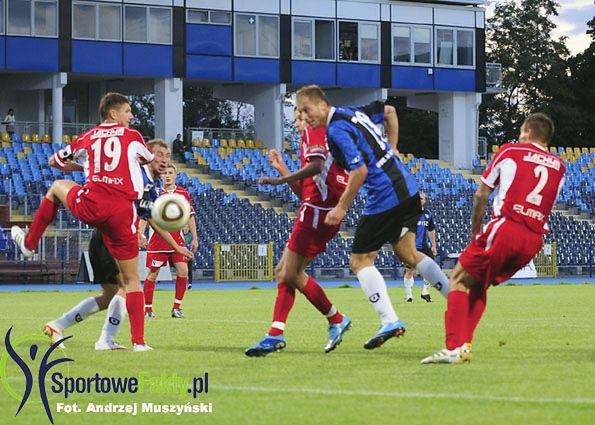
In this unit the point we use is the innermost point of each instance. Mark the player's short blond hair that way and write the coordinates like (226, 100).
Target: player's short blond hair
(157, 142)
(173, 167)
(542, 126)
(111, 100)
(313, 92)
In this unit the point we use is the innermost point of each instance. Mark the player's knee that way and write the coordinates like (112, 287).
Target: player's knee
(356, 263)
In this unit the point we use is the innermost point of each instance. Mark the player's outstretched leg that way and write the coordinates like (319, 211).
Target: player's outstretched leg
(116, 311)
(274, 340)
(374, 287)
(54, 329)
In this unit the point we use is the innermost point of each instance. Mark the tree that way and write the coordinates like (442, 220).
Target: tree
(535, 72)
(143, 109)
(583, 87)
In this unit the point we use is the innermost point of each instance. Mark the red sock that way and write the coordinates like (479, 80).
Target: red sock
(43, 217)
(315, 294)
(149, 290)
(455, 319)
(134, 304)
(180, 291)
(477, 305)
(283, 305)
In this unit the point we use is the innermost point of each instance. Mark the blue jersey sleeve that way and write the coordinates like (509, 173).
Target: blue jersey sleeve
(374, 110)
(342, 142)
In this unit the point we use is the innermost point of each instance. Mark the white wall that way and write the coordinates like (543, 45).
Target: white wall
(169, 112)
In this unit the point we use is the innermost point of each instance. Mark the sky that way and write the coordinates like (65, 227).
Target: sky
(571, 21)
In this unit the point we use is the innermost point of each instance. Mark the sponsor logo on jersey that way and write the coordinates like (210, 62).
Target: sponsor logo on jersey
(100, 133)
(528, 212)
(108, 180)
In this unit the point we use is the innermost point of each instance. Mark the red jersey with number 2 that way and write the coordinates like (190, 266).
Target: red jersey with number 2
(156, 242)
(528, 180)
(110, 154)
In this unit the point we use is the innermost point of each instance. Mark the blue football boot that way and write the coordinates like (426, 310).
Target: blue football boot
(336, 332)
(266, 346)
(387, 331)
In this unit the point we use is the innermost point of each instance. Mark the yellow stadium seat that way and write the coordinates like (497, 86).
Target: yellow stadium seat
(2, 159)
(27, 150)
(223, 143)
(229, 151)
(241, 144)
(592, 150)
(221, 151)
(46, 138)
(286, 145)
(207, 143)
(21, 155)
(239, 165)
(196, 155)
(232, 143)
(294, 157)
(258, 144)
(553, 149)
(5, 137)
(495, 148)
(577, 151)
(66, 139)
(250, 143)
(482, 162)
(197, 142)
(35, 138)
(25, 137)
(584, 150)
(246, 160)
(264, 150)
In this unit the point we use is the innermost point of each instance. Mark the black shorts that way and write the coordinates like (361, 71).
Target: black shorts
(427, 252)
(375, 230)
(104, 266)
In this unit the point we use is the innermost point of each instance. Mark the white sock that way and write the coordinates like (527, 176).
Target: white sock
(432, 273)
(116, 311)
(80, 312)
(426, 288)
(408, 287)
(374, 287)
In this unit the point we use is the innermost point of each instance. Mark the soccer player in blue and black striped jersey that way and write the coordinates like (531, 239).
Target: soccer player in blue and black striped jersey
(425, 242)
(393, 205)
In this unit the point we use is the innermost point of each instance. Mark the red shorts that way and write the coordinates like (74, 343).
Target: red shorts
(310, 235)
(502, 249)
(114, 216)
(156, 260)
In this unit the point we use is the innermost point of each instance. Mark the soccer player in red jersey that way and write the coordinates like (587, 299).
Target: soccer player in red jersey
(319, 183)
(527, 179)
(113, 154)
(160, 253)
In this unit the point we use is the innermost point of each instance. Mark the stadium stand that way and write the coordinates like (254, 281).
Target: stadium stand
(24, 171)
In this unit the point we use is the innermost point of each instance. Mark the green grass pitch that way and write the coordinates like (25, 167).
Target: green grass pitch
(534, 361)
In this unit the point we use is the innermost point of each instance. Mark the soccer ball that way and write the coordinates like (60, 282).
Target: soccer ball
(171, 211)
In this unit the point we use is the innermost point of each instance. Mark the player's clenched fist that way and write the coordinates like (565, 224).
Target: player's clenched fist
(335, 216)
(276, 159)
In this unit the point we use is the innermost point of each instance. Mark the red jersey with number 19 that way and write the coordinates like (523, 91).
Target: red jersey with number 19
(529, 179)
(110, 154)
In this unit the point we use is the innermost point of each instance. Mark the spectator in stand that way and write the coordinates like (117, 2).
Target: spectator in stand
(178, 148)
(9, 121)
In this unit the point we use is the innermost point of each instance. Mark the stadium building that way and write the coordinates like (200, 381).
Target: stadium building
(57, 58)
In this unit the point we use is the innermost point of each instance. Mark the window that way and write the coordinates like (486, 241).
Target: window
(455, 47)
(412, 45)
(32, 17)
(195, 16)
(256, 35)
(465, 48)
(148, 24)
(1, 16)
(96, 21)
(313, 39)
(359, 41)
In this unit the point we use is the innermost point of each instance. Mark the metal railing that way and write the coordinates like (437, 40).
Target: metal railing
(45, 127)
(218, 133)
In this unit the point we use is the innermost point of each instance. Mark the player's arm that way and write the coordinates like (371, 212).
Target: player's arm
(391, 126)
(480, 200)
(192, 227)
(165, 235)
(432, 235)
(313, 167)
(276, 161)
(142, 239)
(356, 180)
(63, 160)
